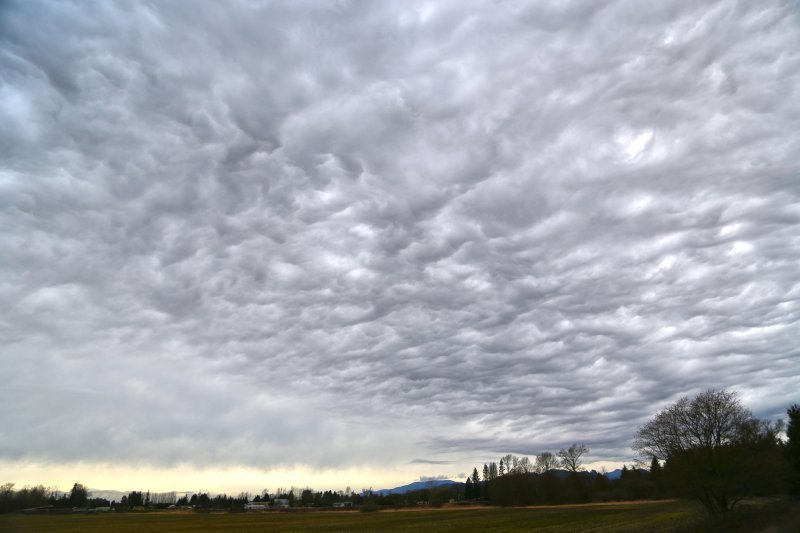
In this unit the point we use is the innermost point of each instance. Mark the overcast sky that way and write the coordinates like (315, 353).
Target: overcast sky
(378, 240)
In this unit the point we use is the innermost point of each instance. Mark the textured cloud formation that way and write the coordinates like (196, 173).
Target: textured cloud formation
(347, 232)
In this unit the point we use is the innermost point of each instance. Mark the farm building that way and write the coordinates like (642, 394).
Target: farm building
(342, 504)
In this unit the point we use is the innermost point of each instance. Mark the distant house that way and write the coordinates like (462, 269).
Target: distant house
(256, 506)
(342, 504)
(280, 503)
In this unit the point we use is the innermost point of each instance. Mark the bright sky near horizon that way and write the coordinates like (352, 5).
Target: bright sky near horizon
(256, 244)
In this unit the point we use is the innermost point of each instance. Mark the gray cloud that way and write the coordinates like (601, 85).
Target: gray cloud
(434, 478)
(233, 232)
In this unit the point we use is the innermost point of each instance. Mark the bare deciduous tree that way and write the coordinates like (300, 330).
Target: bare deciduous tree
(571, 457)
(508, 459)
(544, 462)
(524, 466)
(716, 450)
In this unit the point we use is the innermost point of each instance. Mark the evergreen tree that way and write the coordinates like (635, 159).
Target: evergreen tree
(502, 467)
(657, 478)
(655, 466)
(468, 489)
(136, 499)
(486, 472)
(78, 496)
(793, 449)
(476, 483)
(203, 500)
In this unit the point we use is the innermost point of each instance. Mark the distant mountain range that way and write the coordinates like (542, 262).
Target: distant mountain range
(116, 495)
(110, 495)
(417, 485)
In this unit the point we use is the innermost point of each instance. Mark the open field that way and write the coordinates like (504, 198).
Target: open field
(618, 517)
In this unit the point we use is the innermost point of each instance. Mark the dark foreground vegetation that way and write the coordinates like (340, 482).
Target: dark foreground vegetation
(663, 516)
(708, 448)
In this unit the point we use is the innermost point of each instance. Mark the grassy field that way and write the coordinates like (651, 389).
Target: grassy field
(645, 517)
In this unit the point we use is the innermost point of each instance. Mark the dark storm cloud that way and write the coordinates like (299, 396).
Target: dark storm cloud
(398, 229)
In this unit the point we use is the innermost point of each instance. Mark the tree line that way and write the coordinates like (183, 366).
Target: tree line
(41, 496)
(570, 459)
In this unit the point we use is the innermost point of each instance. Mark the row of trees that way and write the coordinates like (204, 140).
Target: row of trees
(570, 459)
(560, 486)
(220, 501)
(79, 497)
(148, 499)
(40, 496)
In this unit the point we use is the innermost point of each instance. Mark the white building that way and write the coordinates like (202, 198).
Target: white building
(256, 506)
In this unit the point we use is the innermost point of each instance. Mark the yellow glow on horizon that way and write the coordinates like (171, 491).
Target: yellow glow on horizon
(191, 478)
(231, 480)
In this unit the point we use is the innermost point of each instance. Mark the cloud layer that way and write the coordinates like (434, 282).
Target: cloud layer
(306, 233)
